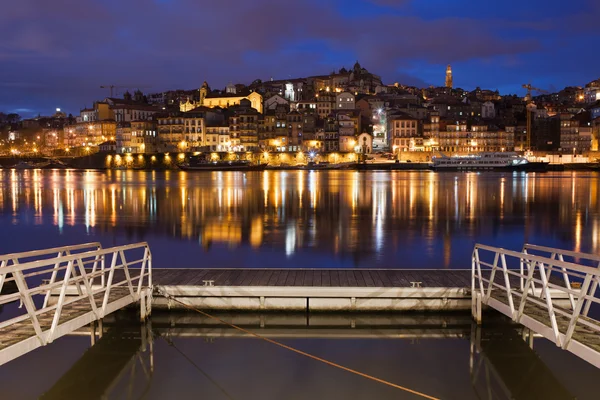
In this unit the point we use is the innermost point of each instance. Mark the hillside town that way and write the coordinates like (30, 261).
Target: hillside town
(346, 111)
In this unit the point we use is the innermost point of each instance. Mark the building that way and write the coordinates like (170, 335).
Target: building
(123, 137)
(100, 112)
(272, 102)
(194, 126)
(170, 130)
(243, 126)
(591, 92)
(144, 137)
(575, 133)
(90, 133)
(325, 103)
(131, 108)
(466, 138)
(356, 80)
(110, 146)
(345, 101)
(223, 100)
(295, 131)
(217, 138)
(364, 143)
(330, 135)
(488, 110)
(449, 82)
(431, 132)
(403, 132)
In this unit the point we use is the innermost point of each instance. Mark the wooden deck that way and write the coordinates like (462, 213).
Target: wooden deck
(315, 289)
(353, 278)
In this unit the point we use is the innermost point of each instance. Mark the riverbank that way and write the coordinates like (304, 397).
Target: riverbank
(166, 161)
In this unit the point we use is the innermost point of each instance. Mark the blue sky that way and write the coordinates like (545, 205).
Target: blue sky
(57, 54)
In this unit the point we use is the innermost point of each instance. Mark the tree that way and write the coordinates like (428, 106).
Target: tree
(13, 118)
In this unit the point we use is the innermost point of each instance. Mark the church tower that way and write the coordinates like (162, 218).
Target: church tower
(204, 90)
(449, 77)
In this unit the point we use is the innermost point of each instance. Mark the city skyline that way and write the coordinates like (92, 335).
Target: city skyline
(59, 54)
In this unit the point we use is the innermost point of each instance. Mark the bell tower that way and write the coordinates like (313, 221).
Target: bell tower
(449, 77)
(203, 92)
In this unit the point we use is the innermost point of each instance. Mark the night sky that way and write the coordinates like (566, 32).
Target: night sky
(57, 53)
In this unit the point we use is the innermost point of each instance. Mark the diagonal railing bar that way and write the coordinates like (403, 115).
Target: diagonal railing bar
(29, 305)
(88, 288)
(61, 301)
(126, 270)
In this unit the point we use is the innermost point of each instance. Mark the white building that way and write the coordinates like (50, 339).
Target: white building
(488, 110)
(364, 143)
(345, 101)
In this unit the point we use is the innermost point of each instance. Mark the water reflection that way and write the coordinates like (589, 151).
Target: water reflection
(365, 219)
(179, 355)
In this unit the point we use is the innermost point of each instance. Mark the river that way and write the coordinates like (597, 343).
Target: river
(279, 219)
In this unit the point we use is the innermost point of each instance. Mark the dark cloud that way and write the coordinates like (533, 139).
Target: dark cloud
(58, 53)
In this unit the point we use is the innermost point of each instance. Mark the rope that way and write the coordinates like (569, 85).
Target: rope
(170, 343)
(331, 363)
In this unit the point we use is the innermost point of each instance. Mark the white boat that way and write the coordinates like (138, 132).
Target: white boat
(487, 161)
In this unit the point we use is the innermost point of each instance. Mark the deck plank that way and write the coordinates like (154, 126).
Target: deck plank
(317, 278)
(335, 278)
(273, 278)
(325, 278)
(367, 277)
(343, 277)
(291, 278)
(282, 277)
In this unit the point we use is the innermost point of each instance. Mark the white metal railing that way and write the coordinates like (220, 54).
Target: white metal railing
(55, 252)
(527, 277)
(92, 275)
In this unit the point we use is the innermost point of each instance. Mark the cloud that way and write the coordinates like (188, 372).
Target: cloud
(390, 3)
(61, 51)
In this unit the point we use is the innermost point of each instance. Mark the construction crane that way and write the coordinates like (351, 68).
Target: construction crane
(528, 109)
(111, 87)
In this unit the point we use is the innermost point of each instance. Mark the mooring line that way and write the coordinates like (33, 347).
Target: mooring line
(214, 382)
(331, 363)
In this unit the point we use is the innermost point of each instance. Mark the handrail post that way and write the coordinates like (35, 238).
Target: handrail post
(2, 276)
(509, 296)
(473, 311)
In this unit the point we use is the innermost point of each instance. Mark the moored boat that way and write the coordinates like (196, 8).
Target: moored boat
(30, 165)
(503, 161)
(237, 165)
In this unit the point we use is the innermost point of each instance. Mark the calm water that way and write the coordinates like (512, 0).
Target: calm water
(299, 219)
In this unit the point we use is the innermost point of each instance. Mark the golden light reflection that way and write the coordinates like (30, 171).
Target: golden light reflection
(343, 211)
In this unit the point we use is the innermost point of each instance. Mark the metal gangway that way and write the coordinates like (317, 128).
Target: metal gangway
(59, 290)
(553, 292)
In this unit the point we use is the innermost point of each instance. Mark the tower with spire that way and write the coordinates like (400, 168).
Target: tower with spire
(449, 77)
